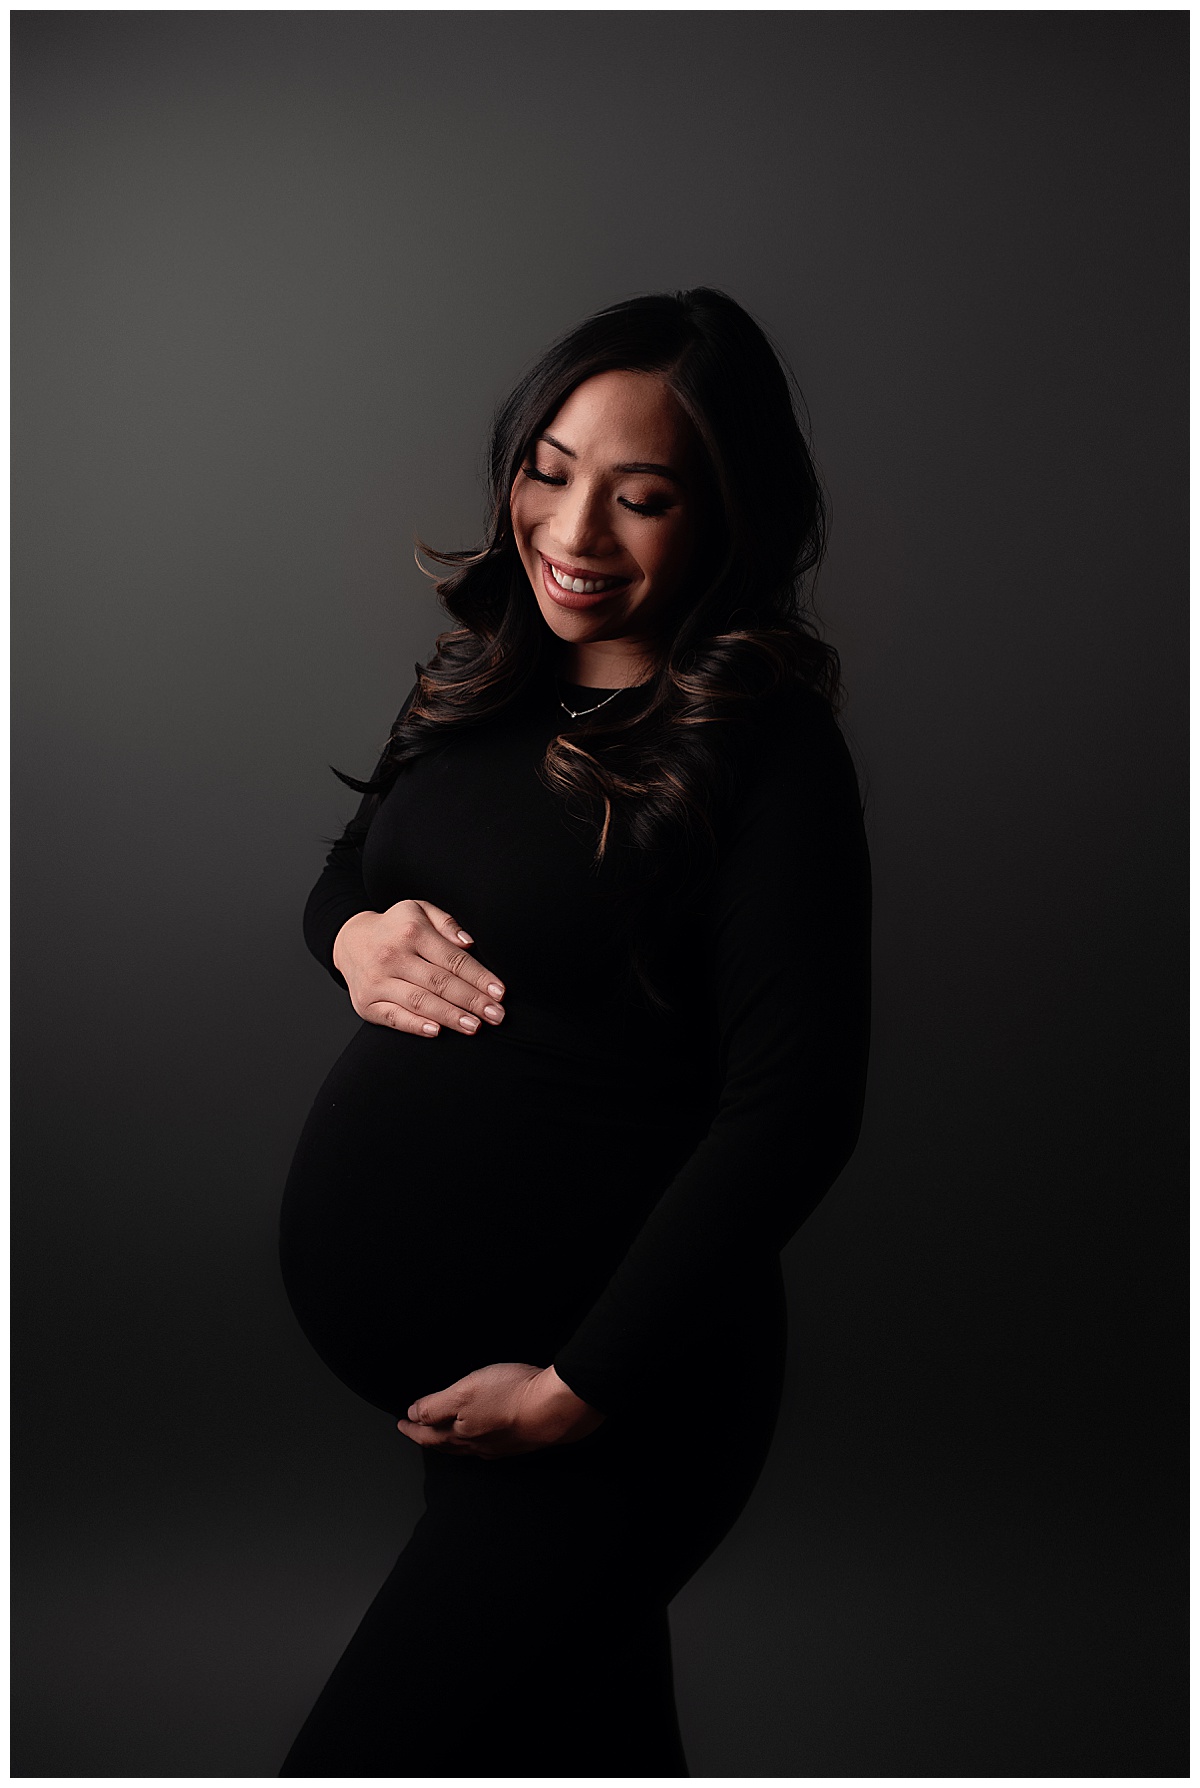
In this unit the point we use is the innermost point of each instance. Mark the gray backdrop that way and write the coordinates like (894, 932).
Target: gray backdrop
(272, 272)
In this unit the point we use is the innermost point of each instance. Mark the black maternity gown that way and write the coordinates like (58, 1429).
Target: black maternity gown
(589, 1184)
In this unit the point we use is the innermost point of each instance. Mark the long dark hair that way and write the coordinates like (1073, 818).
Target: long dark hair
(747, 632)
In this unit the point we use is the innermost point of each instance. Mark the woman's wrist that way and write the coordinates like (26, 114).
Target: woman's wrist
(343, 931)
(558, 1403)
(561, 1393)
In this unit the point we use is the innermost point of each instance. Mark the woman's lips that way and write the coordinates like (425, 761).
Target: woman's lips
(575, 598)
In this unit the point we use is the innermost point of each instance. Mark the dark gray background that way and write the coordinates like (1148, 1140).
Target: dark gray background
(272, 271)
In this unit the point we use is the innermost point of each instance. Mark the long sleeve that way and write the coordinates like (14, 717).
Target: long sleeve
(787, 927)
(338, 892)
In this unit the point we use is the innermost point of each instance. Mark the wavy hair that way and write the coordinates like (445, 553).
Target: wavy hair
(747, 633)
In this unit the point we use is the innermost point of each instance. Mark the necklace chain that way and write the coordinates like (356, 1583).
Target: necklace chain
(578, 713)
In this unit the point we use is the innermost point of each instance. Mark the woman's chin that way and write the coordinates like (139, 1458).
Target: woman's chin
(571, 625)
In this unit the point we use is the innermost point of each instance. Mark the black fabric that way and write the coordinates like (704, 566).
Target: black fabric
(591, 1184)
(523, 1630)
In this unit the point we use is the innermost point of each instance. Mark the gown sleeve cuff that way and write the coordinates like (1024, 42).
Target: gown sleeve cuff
(593, 1391)
(323, 919)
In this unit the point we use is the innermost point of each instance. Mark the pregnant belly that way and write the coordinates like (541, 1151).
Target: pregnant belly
(457, 1202)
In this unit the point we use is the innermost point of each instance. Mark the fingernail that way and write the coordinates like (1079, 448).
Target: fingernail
(464, 937)
(495, 991)
(432, 1029)
(469, 1024)
(494, 1013)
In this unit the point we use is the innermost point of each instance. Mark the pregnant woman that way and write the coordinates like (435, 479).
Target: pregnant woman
(604, 911)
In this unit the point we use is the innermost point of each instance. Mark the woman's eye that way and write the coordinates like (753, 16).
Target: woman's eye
(657, 506)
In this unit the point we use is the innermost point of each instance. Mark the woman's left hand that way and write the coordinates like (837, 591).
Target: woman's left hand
(509, 1408)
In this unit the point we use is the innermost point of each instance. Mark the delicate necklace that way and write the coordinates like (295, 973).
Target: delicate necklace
(578, 713)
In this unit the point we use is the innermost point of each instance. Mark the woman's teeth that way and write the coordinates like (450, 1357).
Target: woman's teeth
(580, 586)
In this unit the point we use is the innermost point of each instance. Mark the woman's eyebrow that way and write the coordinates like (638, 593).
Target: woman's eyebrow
(638, 466)
(648, 466)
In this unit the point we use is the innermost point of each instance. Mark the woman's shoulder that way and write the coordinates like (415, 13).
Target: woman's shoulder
(793, 726)
(793, 756)
(796, 708)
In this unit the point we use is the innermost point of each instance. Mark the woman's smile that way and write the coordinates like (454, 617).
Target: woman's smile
(576, 588)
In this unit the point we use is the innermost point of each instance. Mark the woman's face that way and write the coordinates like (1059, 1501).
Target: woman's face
(606, 499)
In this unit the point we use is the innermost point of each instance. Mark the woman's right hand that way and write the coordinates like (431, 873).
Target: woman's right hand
(407, 968)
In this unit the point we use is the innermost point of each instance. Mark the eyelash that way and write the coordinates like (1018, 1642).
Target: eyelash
(651, 510)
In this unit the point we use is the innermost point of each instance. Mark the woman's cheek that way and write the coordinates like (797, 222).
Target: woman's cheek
(526, 516)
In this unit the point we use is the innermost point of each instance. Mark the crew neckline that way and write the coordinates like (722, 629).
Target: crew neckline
(601, 688)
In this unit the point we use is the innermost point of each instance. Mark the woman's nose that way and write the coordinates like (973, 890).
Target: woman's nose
(580, 521)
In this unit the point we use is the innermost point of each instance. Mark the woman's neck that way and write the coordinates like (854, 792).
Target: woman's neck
(603, 664)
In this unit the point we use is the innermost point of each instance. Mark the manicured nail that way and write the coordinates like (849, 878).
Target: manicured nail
(464, 937)
(494, 1013)
(496, 992)
(432, 1029)
(469, 1024)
